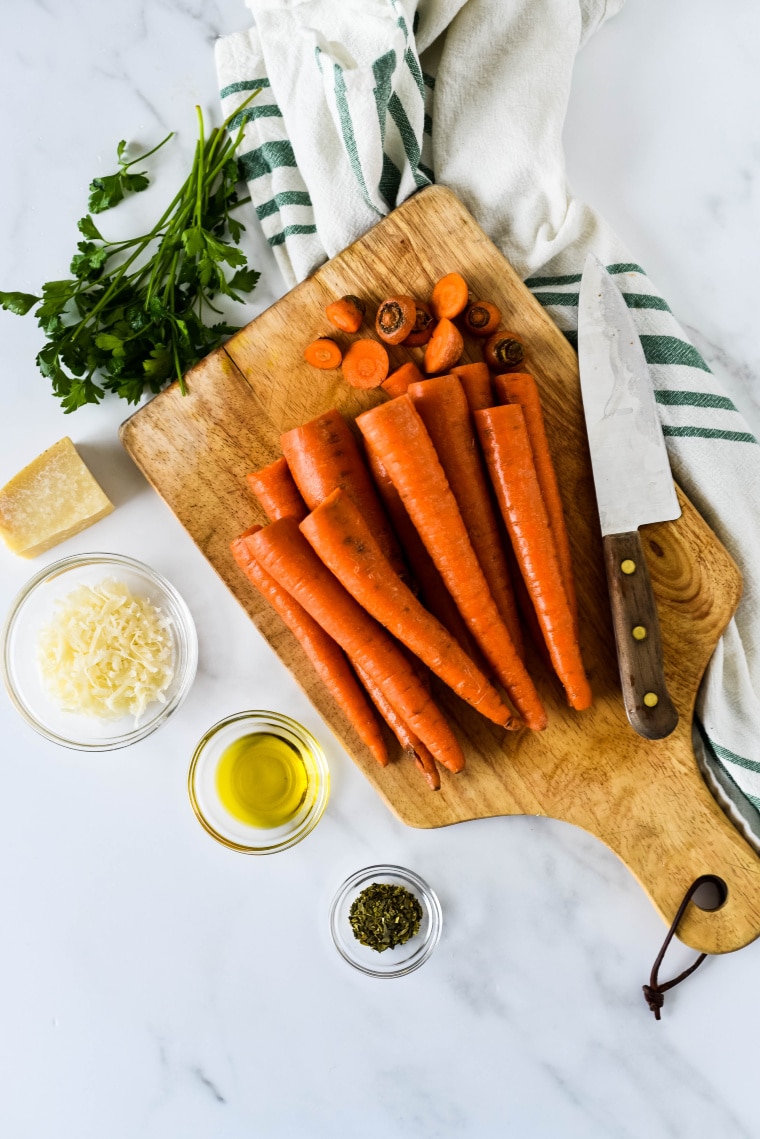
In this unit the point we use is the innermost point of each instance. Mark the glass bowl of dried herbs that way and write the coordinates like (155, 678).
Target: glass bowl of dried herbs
(385, 921)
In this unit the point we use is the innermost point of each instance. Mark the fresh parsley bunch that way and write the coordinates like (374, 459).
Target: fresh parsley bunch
(133, 317)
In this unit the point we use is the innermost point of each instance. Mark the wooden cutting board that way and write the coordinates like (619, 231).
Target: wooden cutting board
(646, 800)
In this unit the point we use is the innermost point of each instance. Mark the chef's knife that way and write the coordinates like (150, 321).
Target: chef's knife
(633, 484)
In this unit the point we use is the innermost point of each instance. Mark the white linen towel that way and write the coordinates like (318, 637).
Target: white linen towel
(365, 101)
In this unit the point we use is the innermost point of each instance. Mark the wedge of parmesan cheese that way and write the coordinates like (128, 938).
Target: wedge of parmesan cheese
(52, 499)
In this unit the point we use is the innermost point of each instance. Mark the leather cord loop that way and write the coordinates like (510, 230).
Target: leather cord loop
(654, 992)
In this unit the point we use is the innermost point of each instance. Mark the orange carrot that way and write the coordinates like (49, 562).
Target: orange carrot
(442, 405)
(482, 318)
(413, 747)
(450, 296)
(445, 347)
(396, 318)
(277, 493)
(397, 434)
(505, 442)
(365, 364)
(503, 351)
(324, 455)
(328, 660)
(323, 353)
(284, 553)
(347, 313)
(344, 542)
(423, 326)
(476, 381)
(399, 381)
(521, 388)
(434, 593)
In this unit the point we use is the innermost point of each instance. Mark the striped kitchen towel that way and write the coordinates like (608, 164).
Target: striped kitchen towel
(364, 101)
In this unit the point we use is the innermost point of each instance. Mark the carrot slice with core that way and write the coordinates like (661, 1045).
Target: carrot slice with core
(347, 313)
(345, 544)
(450, 296)
(397, 434)
(396, 318)
(502, 351)
(423, 326)
(445, 347)
(442, 405)
(505, 442)
(482, 318)
(285, 554)
(365, 364)
(326, 657)
(323, 353)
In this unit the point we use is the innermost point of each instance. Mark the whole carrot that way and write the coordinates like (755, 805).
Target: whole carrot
(476, 382)
(284, 553)
(278, 495)
(443, 408)
(323, 455)
(505, 442)
(521, 388)
(426, 577)
(413, 747)
(329, 662)
(397, 434)
(344, 542)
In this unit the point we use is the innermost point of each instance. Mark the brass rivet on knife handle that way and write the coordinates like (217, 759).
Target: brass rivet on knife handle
(648, 706)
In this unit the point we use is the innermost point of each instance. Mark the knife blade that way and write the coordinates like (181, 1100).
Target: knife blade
(634, 486)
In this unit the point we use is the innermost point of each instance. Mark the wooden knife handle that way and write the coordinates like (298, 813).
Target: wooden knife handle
(648, 706)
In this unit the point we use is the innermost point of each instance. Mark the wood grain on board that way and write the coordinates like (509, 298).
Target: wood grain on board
(646, 800)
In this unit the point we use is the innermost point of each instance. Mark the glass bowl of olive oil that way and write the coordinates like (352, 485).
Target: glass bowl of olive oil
(258, 782)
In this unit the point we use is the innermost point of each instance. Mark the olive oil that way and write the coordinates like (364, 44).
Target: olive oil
(262, 779)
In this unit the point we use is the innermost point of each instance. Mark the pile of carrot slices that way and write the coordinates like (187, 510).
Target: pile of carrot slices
(428, 539)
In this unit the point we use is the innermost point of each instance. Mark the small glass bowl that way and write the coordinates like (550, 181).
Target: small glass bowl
(34, 607)
(391, 962)
(211, 812)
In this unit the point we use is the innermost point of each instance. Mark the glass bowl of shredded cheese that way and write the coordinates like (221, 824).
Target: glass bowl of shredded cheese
(98, 651)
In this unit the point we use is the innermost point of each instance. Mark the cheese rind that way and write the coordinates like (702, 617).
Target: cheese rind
(50, 500)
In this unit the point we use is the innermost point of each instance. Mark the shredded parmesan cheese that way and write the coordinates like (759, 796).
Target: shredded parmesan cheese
(106, 653)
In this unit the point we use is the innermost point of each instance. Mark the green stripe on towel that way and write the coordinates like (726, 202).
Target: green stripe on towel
(284, 198)
(265, 111)
(266, 158)
(708, 433)
(633, 300)
(349, 139)
(290, 231)
(242, 85)
(671, 350)
(573, 278)
(694, 399)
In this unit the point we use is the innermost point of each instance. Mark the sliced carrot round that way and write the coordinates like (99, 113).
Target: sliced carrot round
(395, 319)
(445, 347)
(450, 296)
(502, 351)
(365, 364)
(423, 326)
(482, 318)
(323, 353)
(346, 314)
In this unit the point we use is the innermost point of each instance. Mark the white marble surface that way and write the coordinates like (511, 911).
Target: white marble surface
(155, 984)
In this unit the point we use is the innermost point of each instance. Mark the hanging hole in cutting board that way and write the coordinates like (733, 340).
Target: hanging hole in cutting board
(711, 895)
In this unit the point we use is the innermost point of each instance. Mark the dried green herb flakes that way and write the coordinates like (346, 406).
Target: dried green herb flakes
(384, 916)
